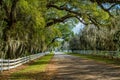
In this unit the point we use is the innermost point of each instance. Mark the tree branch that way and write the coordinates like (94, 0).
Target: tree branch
(81, 21)
(62, 19)
(106, 1)
(65, 17)
(54, 21)
(52, 41)
(113, 2)
(94, 21)
(111, 6)
(106, 10)
(63, 8)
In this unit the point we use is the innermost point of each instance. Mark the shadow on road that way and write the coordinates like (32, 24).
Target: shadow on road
(75, 68)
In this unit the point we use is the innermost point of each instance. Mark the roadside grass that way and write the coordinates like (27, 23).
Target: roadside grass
(34, 71)
(97, 58)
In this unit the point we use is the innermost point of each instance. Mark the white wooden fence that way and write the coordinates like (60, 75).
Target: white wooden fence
(6, 64)
(115, 54)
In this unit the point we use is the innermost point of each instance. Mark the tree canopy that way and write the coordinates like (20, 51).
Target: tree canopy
(31, 26)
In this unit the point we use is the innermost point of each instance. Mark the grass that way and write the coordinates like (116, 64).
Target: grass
(97, 58)
(34, 71)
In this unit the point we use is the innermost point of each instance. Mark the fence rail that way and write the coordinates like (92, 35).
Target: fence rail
(7, 64)
(114, 54)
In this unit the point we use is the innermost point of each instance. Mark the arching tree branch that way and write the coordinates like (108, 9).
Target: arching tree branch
(106, 1)
(82, 21)
(54, 21)
(106, 10)
(113, 2)
(65, 17)
(52, 41)
(111, 6)
(62, 19)
(63, 8)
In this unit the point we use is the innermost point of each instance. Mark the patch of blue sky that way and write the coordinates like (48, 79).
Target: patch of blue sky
(78, 28)
(108, 5)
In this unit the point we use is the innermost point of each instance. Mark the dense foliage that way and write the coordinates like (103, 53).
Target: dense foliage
(104, 38)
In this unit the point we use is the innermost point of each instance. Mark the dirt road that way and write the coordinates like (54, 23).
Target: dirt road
(74, 68)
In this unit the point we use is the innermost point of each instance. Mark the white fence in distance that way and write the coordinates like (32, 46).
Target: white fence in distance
(115, 54)
(6, 64)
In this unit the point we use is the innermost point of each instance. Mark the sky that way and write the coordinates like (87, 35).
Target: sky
(77, 28)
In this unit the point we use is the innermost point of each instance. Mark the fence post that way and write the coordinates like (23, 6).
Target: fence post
(25, 59)
(1, 65)
(8, 64)
(29, 58)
